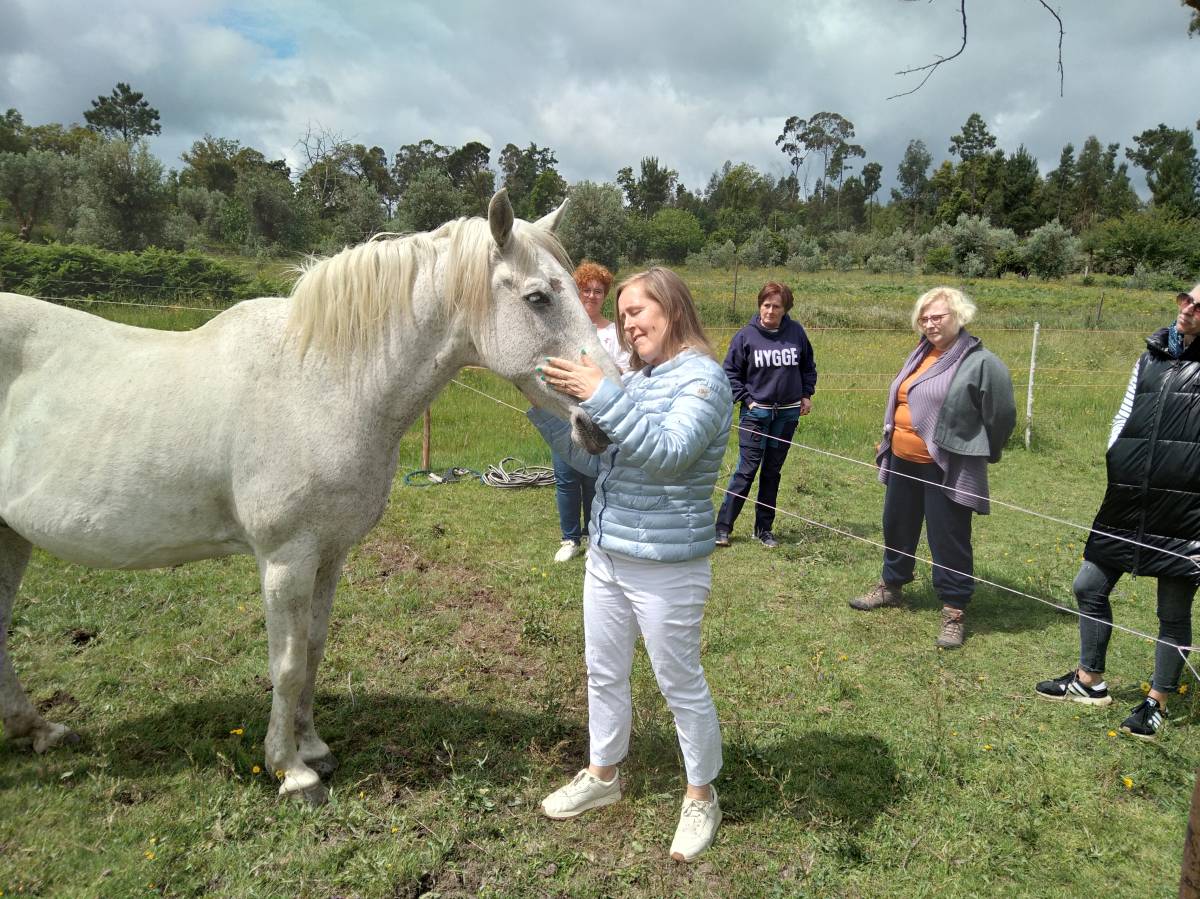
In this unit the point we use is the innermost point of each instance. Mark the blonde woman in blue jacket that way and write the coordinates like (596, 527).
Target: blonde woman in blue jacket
(652, 532)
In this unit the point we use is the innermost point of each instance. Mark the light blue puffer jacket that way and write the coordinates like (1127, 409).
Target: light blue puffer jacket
(654, 485)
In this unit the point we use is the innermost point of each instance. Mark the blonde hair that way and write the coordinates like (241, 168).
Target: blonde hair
(961, 306)
(341, 303)
(684, 330)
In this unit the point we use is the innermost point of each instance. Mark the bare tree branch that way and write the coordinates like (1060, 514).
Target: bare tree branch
(1060, 39)
(932, 67)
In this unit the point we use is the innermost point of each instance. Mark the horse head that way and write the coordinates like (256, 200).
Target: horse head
(535, 313)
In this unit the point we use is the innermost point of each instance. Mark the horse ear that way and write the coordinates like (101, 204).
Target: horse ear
(500, 217)
(550, 221)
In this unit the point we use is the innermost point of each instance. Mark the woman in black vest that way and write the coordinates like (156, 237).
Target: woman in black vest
(1147, 523)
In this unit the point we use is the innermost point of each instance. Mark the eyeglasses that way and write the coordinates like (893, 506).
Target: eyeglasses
(931, 319)
(1188, 303)
(591, 292)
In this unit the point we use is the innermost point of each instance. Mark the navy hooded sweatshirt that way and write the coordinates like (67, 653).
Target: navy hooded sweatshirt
(771, 368)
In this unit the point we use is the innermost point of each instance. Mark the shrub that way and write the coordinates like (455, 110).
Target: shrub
(1051, 251)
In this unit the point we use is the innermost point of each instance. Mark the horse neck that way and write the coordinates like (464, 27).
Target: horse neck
(419, 357)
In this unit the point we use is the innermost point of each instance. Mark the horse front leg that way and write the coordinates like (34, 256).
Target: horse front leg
(288, 579)
(313, 750)
(22, 723)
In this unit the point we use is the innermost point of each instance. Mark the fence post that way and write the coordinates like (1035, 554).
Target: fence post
(426, 428)
(1029, 389)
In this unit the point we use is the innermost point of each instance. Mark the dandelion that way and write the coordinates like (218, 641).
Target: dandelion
(149, 855)
(987, 747)
(152, 840)
(1128, 781)
(256, 770)
(1145, 687)
(280, 774)
(238, 731)
(1112, 733)
(843, 657)
(395, 830)
(1183, 688)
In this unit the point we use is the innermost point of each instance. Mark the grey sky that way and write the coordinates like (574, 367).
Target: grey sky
(604, 84)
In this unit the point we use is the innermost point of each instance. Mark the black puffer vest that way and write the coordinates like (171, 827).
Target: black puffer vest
(1153, 493)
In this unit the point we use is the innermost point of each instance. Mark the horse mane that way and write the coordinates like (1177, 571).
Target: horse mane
(342, 302)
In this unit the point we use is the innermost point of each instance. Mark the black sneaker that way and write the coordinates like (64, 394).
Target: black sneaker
(1069, 686)
(1146, 720)
(722, 538)
(767, 539)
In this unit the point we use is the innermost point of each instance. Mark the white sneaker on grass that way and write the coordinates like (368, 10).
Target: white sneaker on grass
(567, 551)
(698, 824)
(584, 792)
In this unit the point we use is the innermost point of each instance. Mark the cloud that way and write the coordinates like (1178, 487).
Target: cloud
(603, 84)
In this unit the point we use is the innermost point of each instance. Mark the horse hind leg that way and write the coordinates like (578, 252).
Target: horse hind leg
(22, 723)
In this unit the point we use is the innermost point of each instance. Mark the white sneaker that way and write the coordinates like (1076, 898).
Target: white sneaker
(567, 551)
(584, 792)
(697, 826)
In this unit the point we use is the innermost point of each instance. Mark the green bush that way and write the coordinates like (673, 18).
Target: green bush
(1152, 240)
(70, 271)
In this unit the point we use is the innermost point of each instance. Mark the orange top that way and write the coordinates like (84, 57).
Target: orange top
(906, 442)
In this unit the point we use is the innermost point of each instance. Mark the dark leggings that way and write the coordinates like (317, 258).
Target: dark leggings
(906, 505)
(1092, 587)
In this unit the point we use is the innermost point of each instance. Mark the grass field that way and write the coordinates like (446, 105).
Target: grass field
(859, 760)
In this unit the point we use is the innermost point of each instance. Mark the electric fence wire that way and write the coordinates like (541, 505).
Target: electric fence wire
(1182, 650)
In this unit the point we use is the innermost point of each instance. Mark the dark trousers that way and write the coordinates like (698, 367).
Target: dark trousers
(573, 492)
(907, 504)
(1092, 587)
(758, 451)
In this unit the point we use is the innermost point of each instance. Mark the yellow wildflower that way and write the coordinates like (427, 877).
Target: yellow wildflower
(238, 731)
(987, 747)
(843, 657)
(1183, 688)
(1112, 733)
(395, 830)
(149, 855)
(256, 770)
(1128, 781)
(1145, 687)
(280, 773)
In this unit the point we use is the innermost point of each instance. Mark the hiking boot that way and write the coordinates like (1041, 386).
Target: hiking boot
(567, 551)
(584, 792)
(1070, 687)
(767, 539)
(697, 826)
(722, 538)
(1146, 720)
(880, 595)
(953, 628)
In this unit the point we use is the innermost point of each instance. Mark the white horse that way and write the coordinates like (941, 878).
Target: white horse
(271, 430)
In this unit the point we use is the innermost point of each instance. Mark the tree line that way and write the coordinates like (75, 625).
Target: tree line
(980, 211)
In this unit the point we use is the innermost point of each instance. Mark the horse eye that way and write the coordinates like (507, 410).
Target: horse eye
(537, 298)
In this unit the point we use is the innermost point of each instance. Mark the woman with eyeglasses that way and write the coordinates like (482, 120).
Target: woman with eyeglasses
(949, 413)
(573, 491)
(1147, 522)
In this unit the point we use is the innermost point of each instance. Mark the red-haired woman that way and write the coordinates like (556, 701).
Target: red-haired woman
(573, 491)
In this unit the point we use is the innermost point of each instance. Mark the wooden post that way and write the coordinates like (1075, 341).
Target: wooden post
(1029, 391)
(733, 305)
(1189, 879)
(1099, 310)
(426, 428)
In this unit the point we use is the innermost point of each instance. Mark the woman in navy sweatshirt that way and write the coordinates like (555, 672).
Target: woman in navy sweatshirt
(772, 372)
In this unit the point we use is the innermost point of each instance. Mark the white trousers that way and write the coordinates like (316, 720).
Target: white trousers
(664, 601)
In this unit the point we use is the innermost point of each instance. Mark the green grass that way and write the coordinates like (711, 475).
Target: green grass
(859, 760)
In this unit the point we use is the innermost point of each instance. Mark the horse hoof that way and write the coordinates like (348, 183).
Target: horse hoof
(316, 795)
(325, 765)
(53, 735)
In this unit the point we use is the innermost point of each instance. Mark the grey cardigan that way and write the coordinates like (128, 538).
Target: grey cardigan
(976, 416)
